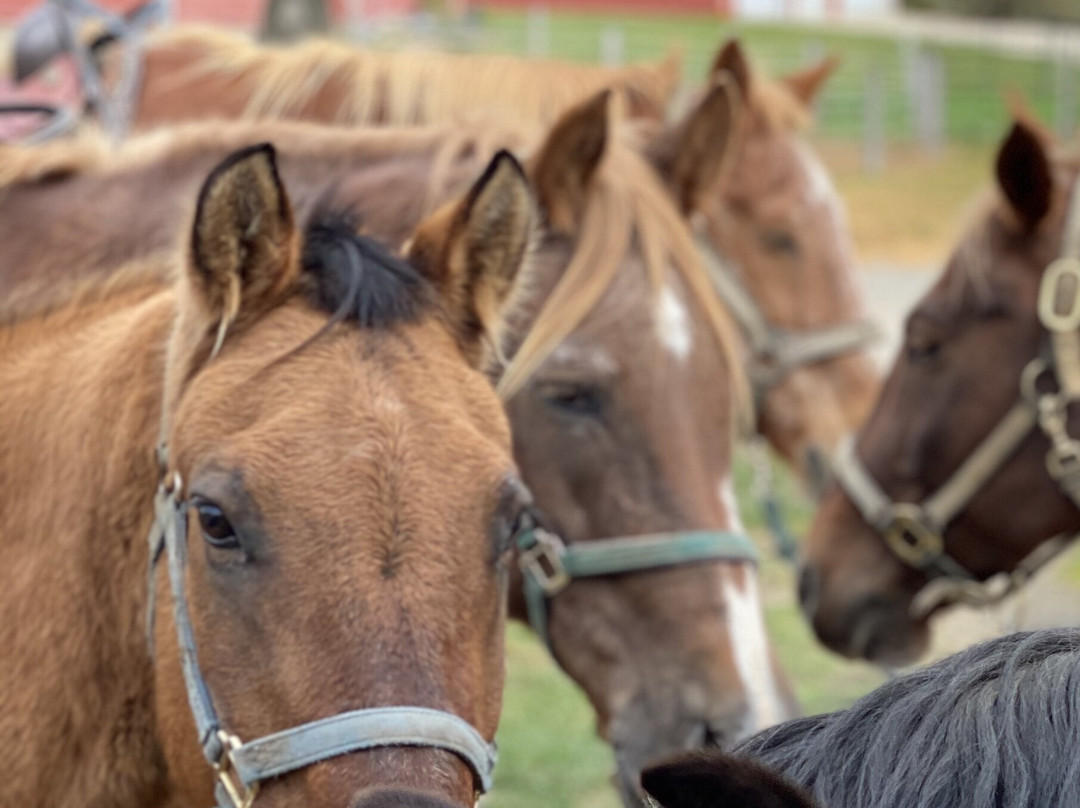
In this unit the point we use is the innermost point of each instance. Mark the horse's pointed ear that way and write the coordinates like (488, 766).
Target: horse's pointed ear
(243, 243)
(714, 779)
(1024, 174)
(731, 59)
(692, 154)
(474, 249)
(807, 83)
(567, 161)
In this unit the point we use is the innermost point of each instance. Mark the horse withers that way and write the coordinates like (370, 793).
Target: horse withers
(336, 511)
(961, 472)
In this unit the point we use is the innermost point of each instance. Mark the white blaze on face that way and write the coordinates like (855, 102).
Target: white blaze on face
(673, 324)
(821, 189)
(731, 506)
(750, 649)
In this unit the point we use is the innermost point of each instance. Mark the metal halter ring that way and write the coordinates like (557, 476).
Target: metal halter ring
(1054, 317)
(543, 561)
(910, 538)
(240, 793)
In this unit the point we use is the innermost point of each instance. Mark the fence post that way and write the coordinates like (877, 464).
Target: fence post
(924, 79)
(537, 31)
(1065, 91)
(874, 121)
(612, 46)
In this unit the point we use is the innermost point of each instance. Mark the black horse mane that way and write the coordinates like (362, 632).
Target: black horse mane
(996, 726)
(356, 278)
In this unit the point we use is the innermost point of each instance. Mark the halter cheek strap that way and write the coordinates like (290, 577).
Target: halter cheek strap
(549, 566)
(240, 767)
(775, 352)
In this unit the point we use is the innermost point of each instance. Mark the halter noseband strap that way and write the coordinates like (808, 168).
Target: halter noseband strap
(549, 566)
(914, 532)
(240, 767)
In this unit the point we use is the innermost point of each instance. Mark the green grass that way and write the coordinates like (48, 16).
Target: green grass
(975, 77)
(549, 752)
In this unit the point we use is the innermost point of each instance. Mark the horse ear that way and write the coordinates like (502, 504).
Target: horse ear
(713, 779)
(691, 155)
(1024, 174)
(474, 250)
(567, 161)
(731, 59)
(807, 83)
(243, 243)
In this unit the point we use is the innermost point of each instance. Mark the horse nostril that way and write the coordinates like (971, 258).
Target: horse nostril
(809, 589)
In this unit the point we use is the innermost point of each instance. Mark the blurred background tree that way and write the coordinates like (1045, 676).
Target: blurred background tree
(1063, 10)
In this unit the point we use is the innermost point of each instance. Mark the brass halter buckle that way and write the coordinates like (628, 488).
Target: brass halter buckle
(240, 794)
(909, 537)
(543, 562)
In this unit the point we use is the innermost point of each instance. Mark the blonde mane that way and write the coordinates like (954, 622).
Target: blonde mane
(410, 87)
(627, 206)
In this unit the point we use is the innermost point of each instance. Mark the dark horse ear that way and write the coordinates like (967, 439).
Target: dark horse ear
(714, 779)
(1024, 174)
(567, 161)
(243, 242)
(731, 59)
(691, 155)
(474, 249)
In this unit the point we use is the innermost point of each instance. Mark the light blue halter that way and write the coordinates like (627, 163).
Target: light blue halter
(241, 766)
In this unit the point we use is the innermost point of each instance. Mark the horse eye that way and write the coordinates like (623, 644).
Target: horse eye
(779, 241)
(215, 527)
(923, 351)
(574, 399)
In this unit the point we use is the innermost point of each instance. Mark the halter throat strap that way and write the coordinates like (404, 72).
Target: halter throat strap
(240, 767)
(549, 566)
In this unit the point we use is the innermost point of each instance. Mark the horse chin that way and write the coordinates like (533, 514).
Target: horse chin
(880, 631)
(886, 638)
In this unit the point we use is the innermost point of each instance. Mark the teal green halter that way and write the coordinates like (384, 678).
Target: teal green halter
(549, 566)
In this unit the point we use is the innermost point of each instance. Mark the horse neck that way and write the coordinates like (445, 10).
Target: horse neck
(80, 414)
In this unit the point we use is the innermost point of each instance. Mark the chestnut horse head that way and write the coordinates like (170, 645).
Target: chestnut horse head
(779, 228)
(340, 473)
(950, 481)
(623, 384)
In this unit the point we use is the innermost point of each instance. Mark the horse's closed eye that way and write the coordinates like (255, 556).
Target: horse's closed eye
(779, 242)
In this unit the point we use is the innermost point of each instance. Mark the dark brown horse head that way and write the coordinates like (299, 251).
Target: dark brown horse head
(776, 219)
(351, 487)
(623, 386)
(958, 373)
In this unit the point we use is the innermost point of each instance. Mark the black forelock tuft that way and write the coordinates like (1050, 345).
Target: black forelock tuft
(356, 278)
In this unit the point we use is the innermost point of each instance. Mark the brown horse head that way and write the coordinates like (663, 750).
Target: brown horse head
(623, 385)
(352, 500)
(778, 222)
(958, 372)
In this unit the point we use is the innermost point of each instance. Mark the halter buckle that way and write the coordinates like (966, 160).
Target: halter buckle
(543, 562)
(240, 794)
(909, 537)
(1055, 316)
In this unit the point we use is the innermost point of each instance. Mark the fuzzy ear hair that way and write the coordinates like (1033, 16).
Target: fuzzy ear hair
(474, 251)
(715, 779)
(1024, 174)
(243, 251)
(731, 59)
(691, 155)
(807, 83)
(567, 161)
